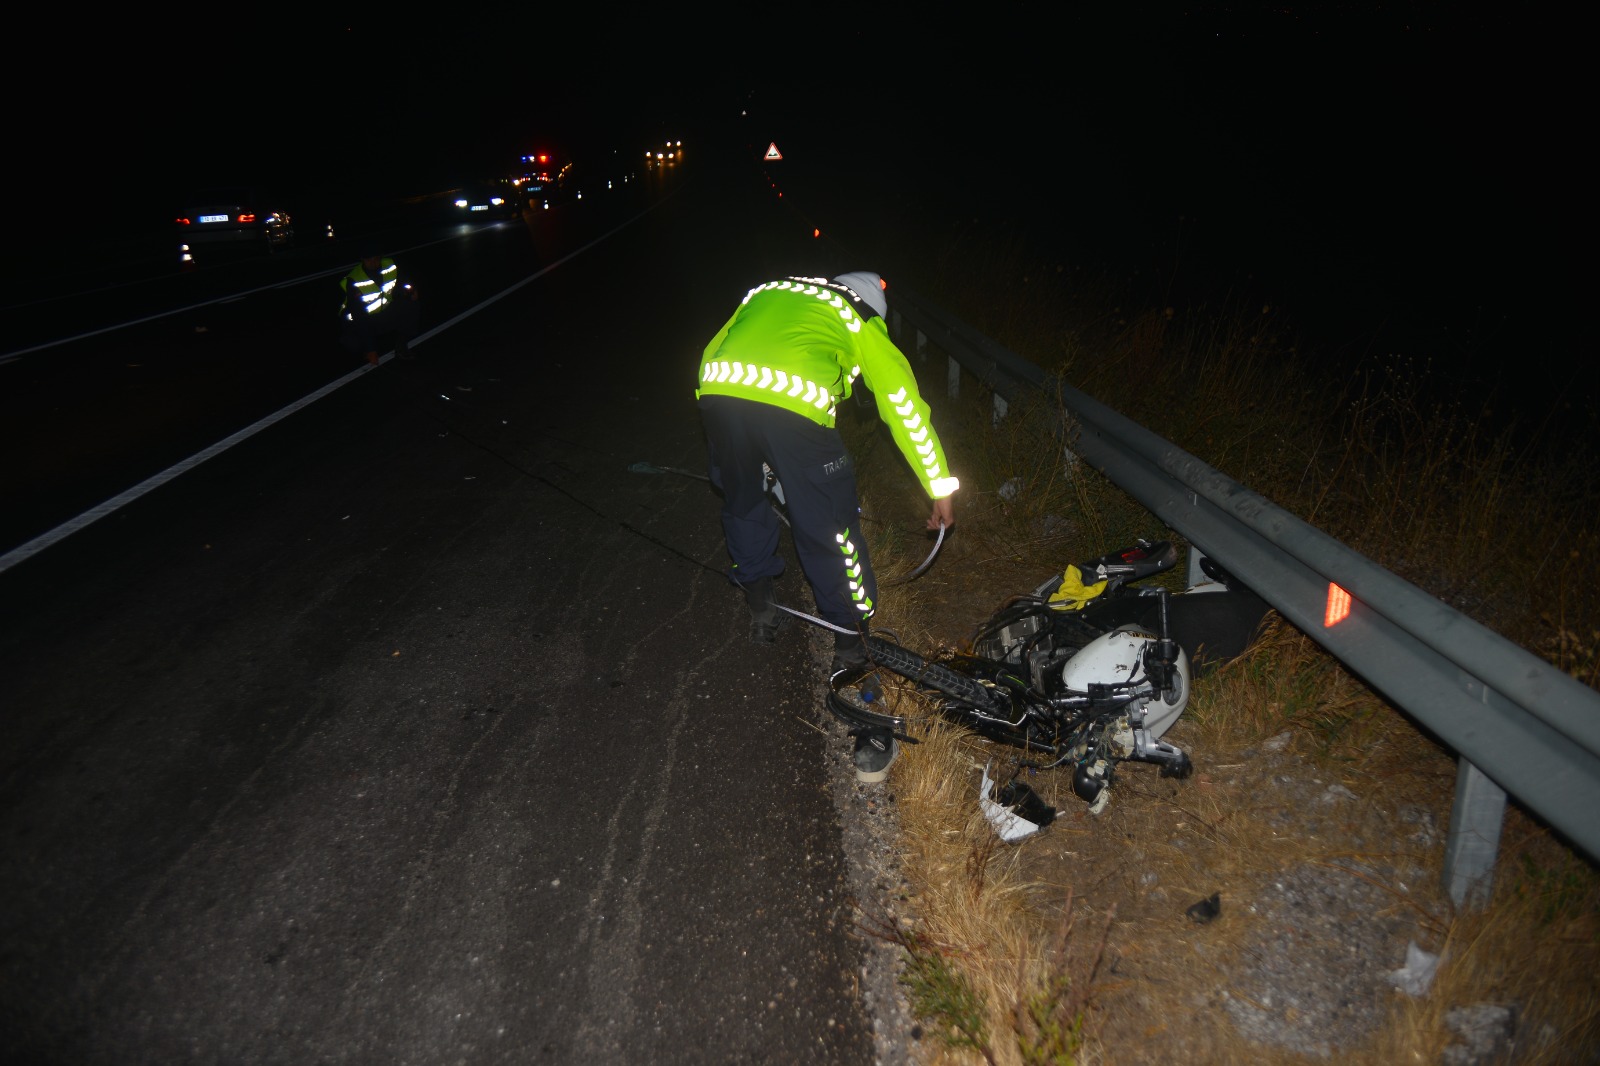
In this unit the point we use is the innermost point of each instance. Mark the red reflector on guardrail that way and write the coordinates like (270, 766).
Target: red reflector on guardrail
(1338, 608)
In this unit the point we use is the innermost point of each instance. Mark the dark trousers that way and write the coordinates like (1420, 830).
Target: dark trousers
(819, 489)
(369, 333)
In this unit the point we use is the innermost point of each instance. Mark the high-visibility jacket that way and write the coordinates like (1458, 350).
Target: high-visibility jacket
(367, 293)
(800, 344)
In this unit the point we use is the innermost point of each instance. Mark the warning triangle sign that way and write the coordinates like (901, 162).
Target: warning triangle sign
(773, 155)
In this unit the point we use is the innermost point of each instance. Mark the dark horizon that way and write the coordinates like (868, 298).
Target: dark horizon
(1386, 175)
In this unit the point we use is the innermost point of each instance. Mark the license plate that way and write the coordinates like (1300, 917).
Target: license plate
(480, 207)
(213, 218)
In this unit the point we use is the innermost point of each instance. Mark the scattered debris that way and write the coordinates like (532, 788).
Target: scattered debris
(1016, 812)
(1417, 974)
(1206, 909)
(1487, 1032)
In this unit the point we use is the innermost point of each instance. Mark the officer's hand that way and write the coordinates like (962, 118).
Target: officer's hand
(944, 513)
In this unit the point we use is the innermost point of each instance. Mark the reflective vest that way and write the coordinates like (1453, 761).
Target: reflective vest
(800, 344)
(375, 293)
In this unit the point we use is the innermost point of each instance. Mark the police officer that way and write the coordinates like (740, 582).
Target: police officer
(377, 303)
(770, 381)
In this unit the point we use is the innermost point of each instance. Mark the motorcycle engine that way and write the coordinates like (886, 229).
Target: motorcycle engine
(1041, 642)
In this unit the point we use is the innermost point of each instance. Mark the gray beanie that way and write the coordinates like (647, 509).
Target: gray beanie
(869, 287)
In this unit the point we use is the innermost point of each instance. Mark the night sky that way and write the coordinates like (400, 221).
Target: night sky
(1411, 168)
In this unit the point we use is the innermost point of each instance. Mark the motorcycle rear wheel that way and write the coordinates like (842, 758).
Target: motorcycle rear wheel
(967, 702)
(913, 667)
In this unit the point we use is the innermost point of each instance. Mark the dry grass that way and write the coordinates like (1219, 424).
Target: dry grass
(1008, 950)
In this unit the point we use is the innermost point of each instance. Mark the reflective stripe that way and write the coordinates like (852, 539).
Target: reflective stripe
(822, 289)
(938, 485)
(755, 376)
(381, 287)
(771, 379)
(852, 573)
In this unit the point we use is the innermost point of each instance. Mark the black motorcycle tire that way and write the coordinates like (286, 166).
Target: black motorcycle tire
(968, 702)
(914, 667)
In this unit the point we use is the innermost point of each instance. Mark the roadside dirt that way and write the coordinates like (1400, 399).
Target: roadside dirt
(1321, 881)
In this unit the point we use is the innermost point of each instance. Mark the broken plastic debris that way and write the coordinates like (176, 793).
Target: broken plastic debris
(1417, 974)
(1206, 909)
(1008, 821)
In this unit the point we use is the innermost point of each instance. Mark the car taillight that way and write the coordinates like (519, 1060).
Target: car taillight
(247, 217)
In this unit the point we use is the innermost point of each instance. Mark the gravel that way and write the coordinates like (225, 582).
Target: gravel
(871, 829)
(1329, 943)
(1329, 953)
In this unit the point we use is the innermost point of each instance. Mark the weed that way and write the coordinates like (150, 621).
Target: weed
(1492, 516)
(1046, 1037)
(939, 991)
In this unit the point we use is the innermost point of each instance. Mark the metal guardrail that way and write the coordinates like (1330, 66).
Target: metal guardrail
(1517, 724)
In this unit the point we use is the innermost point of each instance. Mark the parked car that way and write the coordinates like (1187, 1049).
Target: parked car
(235, 216)
(486, 199)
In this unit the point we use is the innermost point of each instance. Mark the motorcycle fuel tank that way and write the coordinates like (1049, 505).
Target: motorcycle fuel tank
(1119, 656)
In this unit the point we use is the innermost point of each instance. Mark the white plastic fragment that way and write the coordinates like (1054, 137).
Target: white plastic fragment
(1009, 824)
(1417, 974)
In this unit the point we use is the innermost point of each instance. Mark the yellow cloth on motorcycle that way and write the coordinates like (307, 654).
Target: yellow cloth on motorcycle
(1074, 595)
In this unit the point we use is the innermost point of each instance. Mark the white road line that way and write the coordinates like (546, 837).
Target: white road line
(122, 499)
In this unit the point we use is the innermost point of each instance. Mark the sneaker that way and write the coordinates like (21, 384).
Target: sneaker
(875, 753)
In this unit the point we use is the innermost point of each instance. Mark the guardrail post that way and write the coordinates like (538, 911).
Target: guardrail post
(922, 347)
(1475, 822)
(999, 408)
(952, 386)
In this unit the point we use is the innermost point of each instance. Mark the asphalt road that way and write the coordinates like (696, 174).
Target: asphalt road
(416, 727)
